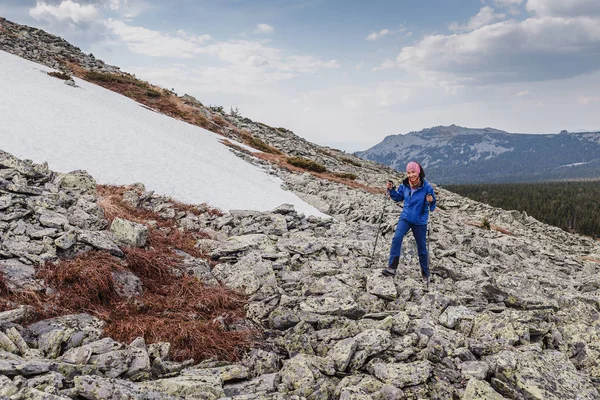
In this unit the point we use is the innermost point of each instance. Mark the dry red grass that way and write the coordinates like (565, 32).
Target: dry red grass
(281, 161)
(235, 146)
(174, 307)
(3, 286)
(85, 283)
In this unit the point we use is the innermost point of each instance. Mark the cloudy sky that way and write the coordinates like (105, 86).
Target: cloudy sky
(348, 73)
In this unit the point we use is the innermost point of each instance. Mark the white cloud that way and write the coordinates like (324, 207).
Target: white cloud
(508, 3)
(244, 63)
(157, 44)
(385, 94)
(485, 16)
(264, 28)
(513, 6)
(522, 93)
(564, 8)
(387, 64)
(538, 48)
(65, 11)
(587, 100)
(378, 35)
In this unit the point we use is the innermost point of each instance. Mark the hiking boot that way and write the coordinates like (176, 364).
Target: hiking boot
(389, 272)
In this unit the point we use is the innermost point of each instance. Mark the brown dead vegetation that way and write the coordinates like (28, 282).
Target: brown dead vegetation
(280, 160)
(3, 286)
(235, 146)
(174, 306)
(60, 75)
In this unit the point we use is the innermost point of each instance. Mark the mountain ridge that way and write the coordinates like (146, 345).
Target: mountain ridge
(457, 155)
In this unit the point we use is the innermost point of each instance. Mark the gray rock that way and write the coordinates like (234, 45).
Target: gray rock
(401, 375)
(19, 276)
(127, 284)
(56, 335)
(542, 374)
(480, 390)
(66, 241)
(76, 180)
(52, 219)
(259, 386)
(188, 387)
(101, 240)
(342, 353)
(128, 233)
(14, 315)
(453, 315)
(381, 286)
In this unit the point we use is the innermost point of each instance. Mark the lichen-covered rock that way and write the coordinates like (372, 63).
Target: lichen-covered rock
(381, 286)
(76, 180)
(251, 273)
(480, 390)
(56, 335)
(101, 240)
(542, 374)
(201, 387)
(98, 388)
(454, 314)
(401, 374)
(342, 353)
(262, 385)
(19, 276)
(128, 233)
(340, 306)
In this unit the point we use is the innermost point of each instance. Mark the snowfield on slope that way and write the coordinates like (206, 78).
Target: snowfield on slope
(118, 141)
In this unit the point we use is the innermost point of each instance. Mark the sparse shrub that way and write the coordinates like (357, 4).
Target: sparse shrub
(262, 146)
(217, 109)
(485, 223)
(60, 75)
(306, 164)
(110, 78)
(348, 160)
(153, 93)
(325, 152)
(346, 175)
(234, 112)
(219, 121)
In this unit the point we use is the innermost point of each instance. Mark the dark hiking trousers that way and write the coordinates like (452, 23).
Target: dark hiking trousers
(420, 234)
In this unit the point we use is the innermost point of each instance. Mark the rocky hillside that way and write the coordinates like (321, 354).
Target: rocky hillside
(457, 155)
(512, 313)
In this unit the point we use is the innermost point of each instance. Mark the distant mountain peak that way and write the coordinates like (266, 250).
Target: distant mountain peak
(492, 155)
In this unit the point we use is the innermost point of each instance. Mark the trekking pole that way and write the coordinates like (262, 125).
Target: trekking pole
(377, 236)
(378, 229)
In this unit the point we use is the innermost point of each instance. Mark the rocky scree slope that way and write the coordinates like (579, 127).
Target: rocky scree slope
(512, 312)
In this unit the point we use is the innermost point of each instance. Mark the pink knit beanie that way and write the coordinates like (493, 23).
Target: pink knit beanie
(413, 165)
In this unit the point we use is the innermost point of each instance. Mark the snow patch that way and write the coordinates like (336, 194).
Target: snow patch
(119, 142)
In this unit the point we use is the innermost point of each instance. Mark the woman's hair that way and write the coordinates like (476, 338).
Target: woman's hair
(422, 173)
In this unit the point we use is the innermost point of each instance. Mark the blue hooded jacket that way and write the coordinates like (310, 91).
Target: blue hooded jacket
(416, 209)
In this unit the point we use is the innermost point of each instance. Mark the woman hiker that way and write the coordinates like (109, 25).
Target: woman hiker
(419, 199)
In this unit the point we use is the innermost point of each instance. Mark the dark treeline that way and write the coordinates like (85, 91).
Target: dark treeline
(572, 205)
